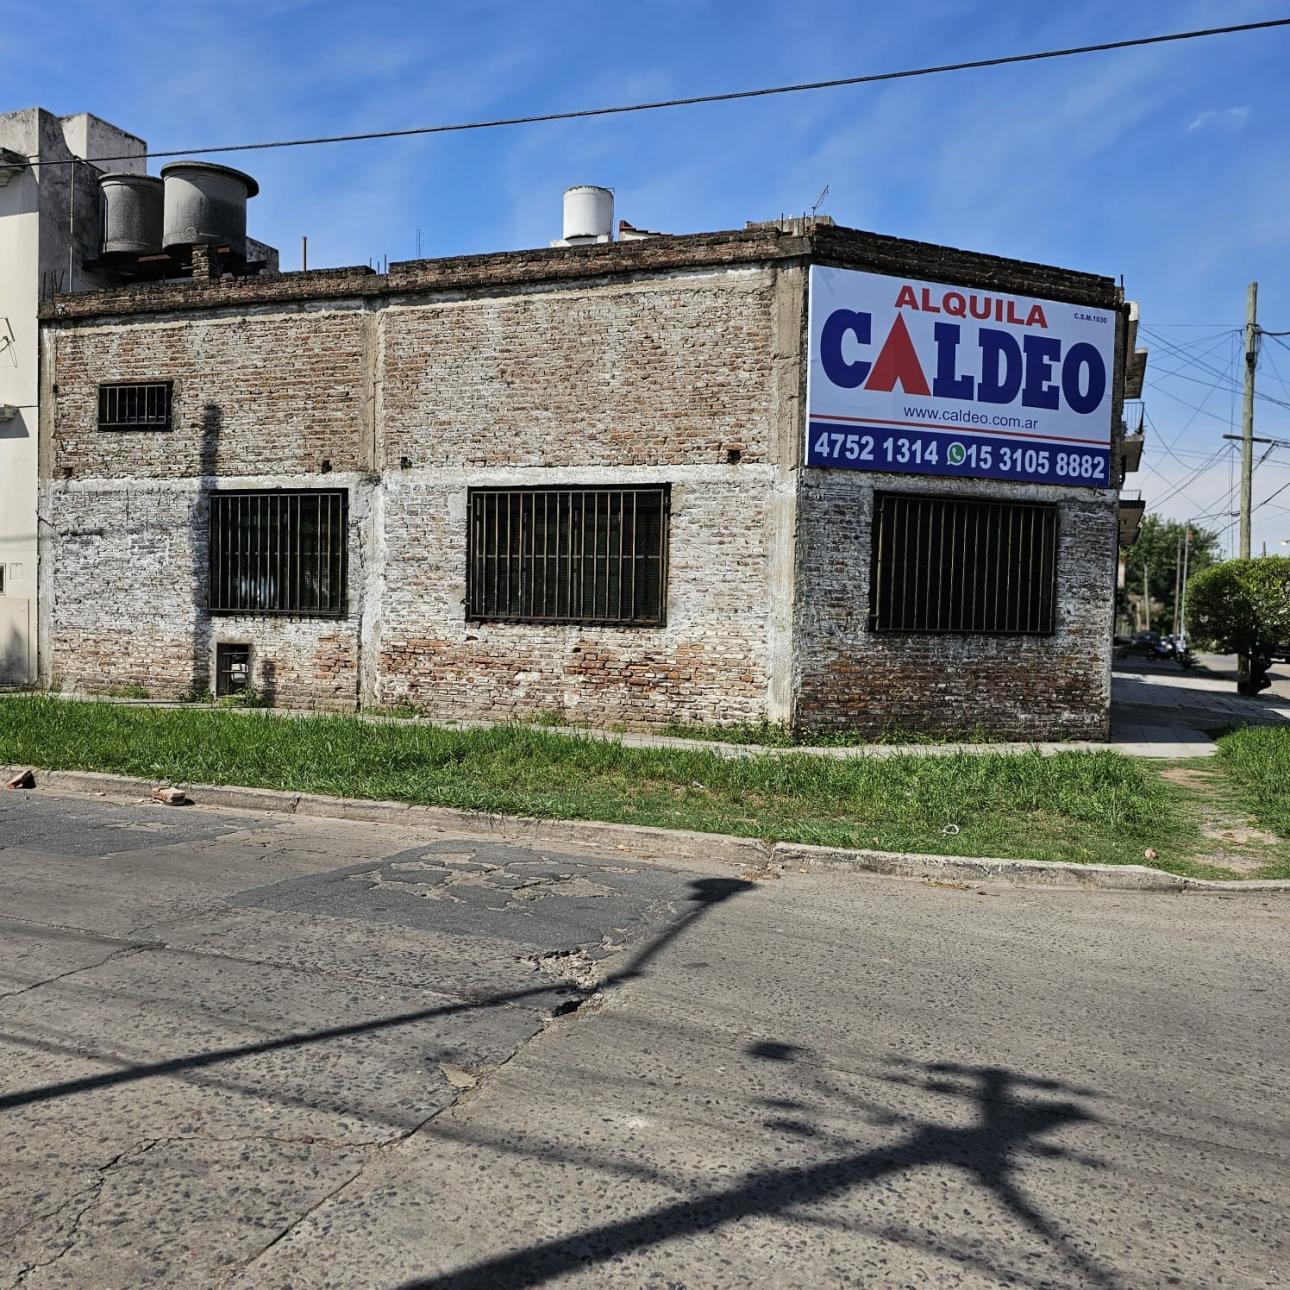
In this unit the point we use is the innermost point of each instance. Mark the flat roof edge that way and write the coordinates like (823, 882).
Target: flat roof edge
(842, 247)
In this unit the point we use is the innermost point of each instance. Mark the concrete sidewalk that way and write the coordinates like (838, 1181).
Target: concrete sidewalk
(1135, 736)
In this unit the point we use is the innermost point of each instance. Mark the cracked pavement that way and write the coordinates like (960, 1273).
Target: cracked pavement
(244, 1050)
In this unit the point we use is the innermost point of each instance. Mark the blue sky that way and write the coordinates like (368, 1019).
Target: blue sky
(1167, 165)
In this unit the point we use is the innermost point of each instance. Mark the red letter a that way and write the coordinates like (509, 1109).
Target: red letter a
(898, 362)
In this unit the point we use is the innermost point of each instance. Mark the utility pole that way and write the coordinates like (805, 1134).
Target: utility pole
(1243, 668)
(1146, 598)
(1182, 604)
(1177, 581)
(1247, 418)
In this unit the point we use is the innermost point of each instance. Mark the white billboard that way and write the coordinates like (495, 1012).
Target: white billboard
(916, 377)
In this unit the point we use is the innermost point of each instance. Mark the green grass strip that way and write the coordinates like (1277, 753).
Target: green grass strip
(1078, 806)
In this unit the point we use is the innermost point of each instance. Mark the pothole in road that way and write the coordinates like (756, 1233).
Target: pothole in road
(452, 875)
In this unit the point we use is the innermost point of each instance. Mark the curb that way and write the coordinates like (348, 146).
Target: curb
(1054, 874)
(648, 839)
(680, 844)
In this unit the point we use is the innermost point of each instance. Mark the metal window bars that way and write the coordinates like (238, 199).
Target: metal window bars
(568, 555)
(278, 553)
(958, 565)
(135, 405)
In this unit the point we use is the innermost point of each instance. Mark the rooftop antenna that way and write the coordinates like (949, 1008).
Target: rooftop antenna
(418, 244)
(816, 204)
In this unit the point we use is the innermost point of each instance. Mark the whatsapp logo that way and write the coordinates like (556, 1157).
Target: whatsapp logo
(957, 454)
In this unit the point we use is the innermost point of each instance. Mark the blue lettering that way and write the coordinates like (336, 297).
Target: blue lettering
(1083, 355)
(836, 368)
(1041, 390)
(949, 385)
(1001, 366)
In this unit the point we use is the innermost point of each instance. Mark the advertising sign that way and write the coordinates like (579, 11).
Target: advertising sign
(920, 378)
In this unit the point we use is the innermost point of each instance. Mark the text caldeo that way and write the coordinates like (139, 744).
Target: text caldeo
(995, 366)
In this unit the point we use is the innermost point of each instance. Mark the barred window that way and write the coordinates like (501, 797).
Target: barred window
(950, 564)
(568, 555)
(278, 553)
(135, 405)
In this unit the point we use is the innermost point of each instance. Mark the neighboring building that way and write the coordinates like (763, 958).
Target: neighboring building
(579, 480)
(49, 226)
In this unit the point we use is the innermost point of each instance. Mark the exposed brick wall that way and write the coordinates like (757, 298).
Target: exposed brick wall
(117, 576)
(639, 382)
(264, 394)
(708, 664)
(1019, 686)
(632, 363)
(124, 590)
(511, 270)
(620, 375)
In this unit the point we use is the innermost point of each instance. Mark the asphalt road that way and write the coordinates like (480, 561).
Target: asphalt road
(259, 1051)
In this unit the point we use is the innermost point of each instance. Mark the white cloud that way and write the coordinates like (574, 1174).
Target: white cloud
(1233, 117)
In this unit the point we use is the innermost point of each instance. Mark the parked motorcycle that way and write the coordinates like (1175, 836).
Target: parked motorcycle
(1182, 654)
(1162, 648)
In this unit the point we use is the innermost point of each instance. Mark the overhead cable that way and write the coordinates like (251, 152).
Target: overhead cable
(694, 100)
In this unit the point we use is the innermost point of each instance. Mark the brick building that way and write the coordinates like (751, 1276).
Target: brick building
(567, 480)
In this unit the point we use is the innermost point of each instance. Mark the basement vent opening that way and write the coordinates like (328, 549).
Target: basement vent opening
(232, 669)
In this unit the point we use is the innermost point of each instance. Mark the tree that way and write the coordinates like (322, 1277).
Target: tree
(1243, 607)
(1156, 552)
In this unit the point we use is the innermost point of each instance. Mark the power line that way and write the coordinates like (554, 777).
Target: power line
(1270, 496)
(1149, 329)
(694, 100)
(1200, 408)
(1233, 389)
(1179, 490)
(1174, 351)
(1276, 371)
(1155, 385)
(1172, 493)
(1178, 349)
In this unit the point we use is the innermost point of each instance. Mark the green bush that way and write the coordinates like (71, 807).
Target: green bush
(1241, 606)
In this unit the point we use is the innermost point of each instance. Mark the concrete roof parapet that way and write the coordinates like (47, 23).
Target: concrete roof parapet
(845, 247)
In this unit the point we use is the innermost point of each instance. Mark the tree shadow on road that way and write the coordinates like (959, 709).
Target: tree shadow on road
(1011, 1124)
(704, 894)
(1014, 1115)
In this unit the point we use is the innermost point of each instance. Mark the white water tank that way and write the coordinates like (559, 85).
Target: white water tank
(588, 214)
